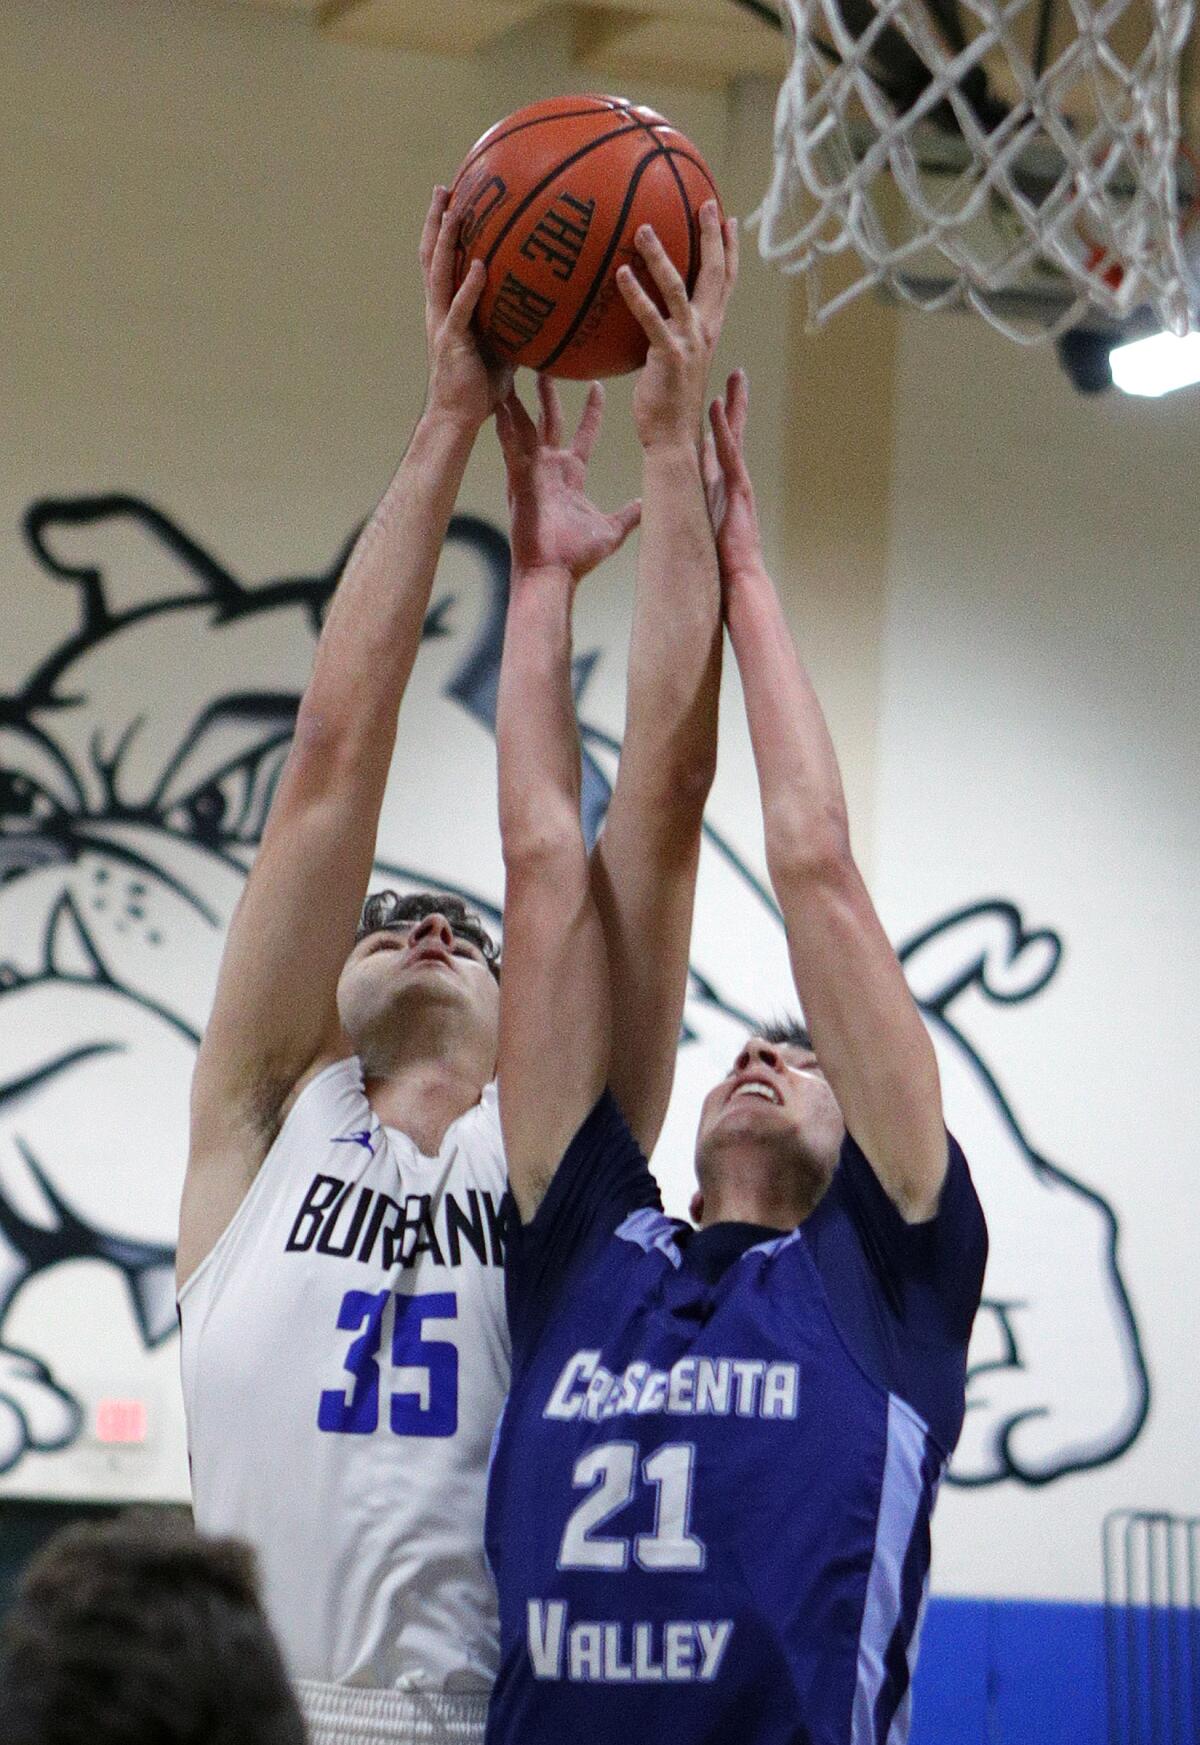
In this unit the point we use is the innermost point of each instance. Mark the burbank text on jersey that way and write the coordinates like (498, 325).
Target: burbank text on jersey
(348, 1221)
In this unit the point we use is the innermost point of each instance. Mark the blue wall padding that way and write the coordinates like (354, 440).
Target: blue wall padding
(1011, 1672)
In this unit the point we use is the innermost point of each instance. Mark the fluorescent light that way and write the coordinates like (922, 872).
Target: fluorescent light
(1157, 365)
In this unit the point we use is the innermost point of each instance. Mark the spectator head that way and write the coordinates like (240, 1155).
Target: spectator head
(138, 1631)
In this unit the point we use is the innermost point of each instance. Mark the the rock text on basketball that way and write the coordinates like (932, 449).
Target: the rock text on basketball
(559, 235)
(518, 314)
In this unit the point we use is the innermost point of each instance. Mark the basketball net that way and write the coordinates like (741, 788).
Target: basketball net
(992, 155)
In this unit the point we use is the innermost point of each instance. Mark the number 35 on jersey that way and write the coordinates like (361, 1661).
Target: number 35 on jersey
(421, 1387)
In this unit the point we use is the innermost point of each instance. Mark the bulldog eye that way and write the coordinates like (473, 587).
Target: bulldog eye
(202, 815)
(232, 805)
(24, 803)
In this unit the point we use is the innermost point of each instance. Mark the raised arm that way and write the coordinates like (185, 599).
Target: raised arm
(554, 1000)
(274, 1018)
(867, 1033)
(645, 861)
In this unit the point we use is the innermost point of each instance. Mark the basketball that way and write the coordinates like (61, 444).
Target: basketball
(550, 201)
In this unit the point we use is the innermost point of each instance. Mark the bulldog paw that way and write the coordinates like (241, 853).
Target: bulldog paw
(36, 1415)
(1039, 1412)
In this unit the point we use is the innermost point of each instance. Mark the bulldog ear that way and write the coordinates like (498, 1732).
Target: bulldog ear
(122, 553)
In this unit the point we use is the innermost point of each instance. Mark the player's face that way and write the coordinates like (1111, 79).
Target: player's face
(775, 1095)
(419, 970)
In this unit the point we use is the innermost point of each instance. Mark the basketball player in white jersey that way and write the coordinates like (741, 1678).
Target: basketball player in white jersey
(340, 1274)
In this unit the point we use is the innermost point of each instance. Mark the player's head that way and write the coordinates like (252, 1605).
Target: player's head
(770, 1133)
(425, 969)
(137, 1631)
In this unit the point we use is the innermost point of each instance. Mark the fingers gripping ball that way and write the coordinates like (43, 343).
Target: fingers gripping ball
(550, 200)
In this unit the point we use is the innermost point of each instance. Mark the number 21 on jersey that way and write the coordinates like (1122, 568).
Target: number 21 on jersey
(609, 1474)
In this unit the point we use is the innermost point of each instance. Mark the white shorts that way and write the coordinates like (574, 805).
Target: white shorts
(342, 1714)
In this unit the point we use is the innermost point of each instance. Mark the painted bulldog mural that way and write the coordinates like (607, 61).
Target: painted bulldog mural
(137, 765)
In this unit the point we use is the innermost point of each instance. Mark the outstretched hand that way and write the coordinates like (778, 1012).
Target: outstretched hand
(555, 525)
(462, 382)
(668, 401)
(731, 503)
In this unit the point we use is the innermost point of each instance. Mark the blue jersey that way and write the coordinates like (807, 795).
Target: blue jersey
(711, 1487)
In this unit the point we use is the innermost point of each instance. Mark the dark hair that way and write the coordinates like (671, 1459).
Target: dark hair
(138, 1631)
(786, 1032)
(390, 909)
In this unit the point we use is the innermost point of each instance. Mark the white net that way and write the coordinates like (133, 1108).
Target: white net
(1018, 156)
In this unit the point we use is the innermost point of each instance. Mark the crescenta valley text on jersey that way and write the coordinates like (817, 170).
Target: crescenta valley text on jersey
(711, 1491)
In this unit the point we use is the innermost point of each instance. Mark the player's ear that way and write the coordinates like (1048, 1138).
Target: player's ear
(696, 1208)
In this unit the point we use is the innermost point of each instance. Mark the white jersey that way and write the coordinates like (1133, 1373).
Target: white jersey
(345, 1357)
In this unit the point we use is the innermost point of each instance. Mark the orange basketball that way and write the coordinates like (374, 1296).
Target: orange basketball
(551, 199)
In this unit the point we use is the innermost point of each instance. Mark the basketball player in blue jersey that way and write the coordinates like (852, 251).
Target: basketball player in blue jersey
(344, 1345)
(710, 1498)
